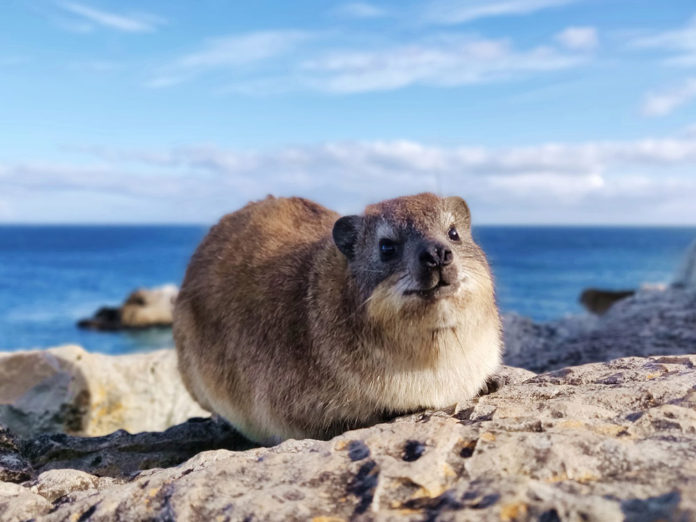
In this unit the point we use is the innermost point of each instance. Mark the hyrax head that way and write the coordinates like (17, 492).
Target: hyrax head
(413, 253)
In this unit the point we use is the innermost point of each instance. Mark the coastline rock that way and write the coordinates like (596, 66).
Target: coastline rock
(603, 441)
(686, 275)
(70, 390)
(149, 307)
(106, 319)
(598, 301)
(651, 322)
(143, 308)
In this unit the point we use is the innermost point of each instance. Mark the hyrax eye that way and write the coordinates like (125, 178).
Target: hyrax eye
(387, 249)
(453, 234)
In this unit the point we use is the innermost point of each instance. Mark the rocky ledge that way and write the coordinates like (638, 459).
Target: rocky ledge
(651, 322)
(605, 440)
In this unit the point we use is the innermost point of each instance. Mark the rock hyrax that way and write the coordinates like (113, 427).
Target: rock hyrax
(292, 322)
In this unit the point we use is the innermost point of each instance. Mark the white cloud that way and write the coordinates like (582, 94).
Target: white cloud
(134, 23)
(665, 102)
(444, 61)
(680, 42)
(229, 52)
(578, 38)
(270, 62)
(646, 181)
(359, 10)
(449, 12)
(359, 159)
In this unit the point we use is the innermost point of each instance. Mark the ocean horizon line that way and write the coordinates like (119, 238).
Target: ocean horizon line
(146, 224)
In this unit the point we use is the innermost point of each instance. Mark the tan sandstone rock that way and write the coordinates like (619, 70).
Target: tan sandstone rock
(70, 390)
(149, 307)
(143, 308)
(598, 442)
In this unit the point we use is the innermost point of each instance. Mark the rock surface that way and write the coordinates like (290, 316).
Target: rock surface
(70, 390)
(604, 441)
(143, 308)
(652, 322)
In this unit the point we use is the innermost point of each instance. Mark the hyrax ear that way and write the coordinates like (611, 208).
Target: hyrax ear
(460, 209)
(345, 233)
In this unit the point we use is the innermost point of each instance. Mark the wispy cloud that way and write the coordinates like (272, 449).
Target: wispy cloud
(444, 61)
(229, 52)
(578, 38)
(665, 102)
(680, 43)
(587, 182)
(359, 10)
(132, 23)
(449, 12)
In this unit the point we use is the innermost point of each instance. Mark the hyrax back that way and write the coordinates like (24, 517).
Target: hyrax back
(292, 322)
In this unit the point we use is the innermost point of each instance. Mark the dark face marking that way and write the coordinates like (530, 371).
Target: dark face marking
(423, 241)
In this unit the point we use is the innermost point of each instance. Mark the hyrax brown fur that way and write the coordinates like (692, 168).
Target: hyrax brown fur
(293, 323)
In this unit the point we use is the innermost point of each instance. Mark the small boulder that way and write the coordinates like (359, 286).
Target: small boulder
(70, 390)
(143, 308)
(149, 307)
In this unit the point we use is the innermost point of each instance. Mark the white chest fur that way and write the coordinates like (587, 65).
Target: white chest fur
(462, 361)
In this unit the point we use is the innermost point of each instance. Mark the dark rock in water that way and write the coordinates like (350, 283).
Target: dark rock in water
(106, 319)
(599, 301)
(143, 308)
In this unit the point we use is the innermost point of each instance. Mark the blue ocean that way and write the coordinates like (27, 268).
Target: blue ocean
(51, 276)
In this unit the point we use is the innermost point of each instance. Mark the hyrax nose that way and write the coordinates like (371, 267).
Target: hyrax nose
(435, 255)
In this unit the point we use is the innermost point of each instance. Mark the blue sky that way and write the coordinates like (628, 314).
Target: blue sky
(536, 111)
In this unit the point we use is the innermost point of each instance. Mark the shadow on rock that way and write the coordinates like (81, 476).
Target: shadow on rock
(121, 454)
